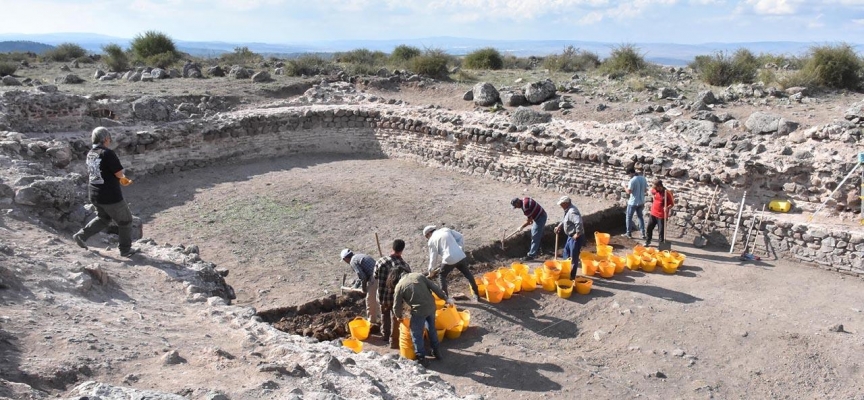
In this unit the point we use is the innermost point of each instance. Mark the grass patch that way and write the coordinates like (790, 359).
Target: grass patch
(571, 60)
(309, 64)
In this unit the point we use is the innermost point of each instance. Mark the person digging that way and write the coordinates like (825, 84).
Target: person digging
(364, 267)
(536, 217)
(395, 265)
(446, 254)
(574, 228)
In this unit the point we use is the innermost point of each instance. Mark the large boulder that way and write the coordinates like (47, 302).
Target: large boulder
(71, 79)
(695, 132)
(468, 96)
(526, 116)
(538, 92)
(159, 73)
(761, 123)
(666, 93)
(261, 77)
(706, 97)
(98, 74)
(216, 71)
(57, 193)
(191, 70)
(132, 76)
(10, 81)
(485, 94)
(151, 109)
(512, 99)
(238, 72)
(856, 111)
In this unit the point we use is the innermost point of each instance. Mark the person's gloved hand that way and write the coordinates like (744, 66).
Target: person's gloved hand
(125, 181)
(450, 301)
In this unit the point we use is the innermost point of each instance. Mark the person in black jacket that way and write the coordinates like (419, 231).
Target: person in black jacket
(105, 178)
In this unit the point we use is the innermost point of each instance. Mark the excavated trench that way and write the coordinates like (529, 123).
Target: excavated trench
(327, 318)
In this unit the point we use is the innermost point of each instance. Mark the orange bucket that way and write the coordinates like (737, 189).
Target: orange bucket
(551, 270)
(634, 262)
(620, 263)
(589, 267)
(565, 288)
(454, 332)
(481, 285)
(441, 333)
(566, 267)
(604, 250)
(466, 318)
(509, 287)
(639, 249)
(529, 283)
(447, 317)
(601, 239)
(519, 268)
(583, 285)
(494, 293)
(648, 262)
(490, 277)
(607, 269)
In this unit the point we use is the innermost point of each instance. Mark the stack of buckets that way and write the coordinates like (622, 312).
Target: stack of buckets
(603, 262)
(359, 328)
(503, 282)
(648, 258)
(449, 323)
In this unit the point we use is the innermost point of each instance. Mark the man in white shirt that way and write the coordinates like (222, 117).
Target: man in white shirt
(446, 254)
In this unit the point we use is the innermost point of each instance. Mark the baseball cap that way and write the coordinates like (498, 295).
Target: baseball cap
(345, 253)
(428, 229)
(564, 199)
(515, 202)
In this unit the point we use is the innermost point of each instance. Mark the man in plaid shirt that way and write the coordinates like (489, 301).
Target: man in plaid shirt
(383, 268)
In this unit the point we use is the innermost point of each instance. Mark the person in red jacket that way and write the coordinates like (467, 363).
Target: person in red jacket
(660, 210)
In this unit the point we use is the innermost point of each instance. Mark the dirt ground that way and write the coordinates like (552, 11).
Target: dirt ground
(719, 328)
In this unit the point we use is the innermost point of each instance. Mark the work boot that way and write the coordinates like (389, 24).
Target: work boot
(79, 240)
(527, 258)
(130, 252)
(437, 354)
(422, 360)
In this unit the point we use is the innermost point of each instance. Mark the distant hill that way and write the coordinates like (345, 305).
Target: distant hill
(24, 46)
(663, 53)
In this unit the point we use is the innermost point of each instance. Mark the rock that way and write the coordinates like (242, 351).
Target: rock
(110, 76)
(601, 107)
(538, 92)
(238, 72)
(468, 96)
(98, 74)
(678, 352)
(71, 79)
(191, 70)
(485, 94)
(836, 328)
(666, 93)
(47, 88)
(785, 127)
(174, 73)
(132, 76)
(856, 111)
(383, 72)
(216, 71)
(598, 335)
(10, 81)
(146, 77)
(550, 105)
(151, 108)
(97, 273)
(658, 375)
(526, 116)
(565, 105)
(65, 68)
(58, 193)
(706, 97)
(803, 91)
(159, 73)
(333, 364)
(172, 358)
(99, 391)
(261, 77)
(762, 123)
(512, 99)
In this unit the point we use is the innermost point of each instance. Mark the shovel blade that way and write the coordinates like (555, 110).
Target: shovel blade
(663, 246)
(700, 241)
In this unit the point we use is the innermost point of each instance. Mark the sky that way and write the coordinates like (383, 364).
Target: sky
(290, 21)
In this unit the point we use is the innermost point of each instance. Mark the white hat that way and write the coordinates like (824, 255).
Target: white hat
(564, 199)
(345, 253)
(428, 229)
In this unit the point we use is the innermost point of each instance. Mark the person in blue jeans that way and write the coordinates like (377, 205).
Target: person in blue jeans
(574, 228)
(536, 217)
(636, 188)
(415, 290)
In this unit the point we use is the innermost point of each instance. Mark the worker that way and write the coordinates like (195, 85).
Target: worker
(661, 209)
(574, 228)
(446, 254)
(383, 269)
(416, 290)
(536, 217)
(364, 267)
(636, 188)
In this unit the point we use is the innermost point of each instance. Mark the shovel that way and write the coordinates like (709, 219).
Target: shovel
(508, 237)
(702, 240)
(664, 244)
(343, 288)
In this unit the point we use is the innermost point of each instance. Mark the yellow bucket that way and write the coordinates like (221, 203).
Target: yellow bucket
(353, 344)
(601, 239)
(406, 346)
(509, 287)
(517, 284)
(481, 285)
(441, 333)
(589, 267)
(538, 274)
(529, 283)
(780, 206)
(359, 328)
(649, 262)
(604, 250)
(583, 285)
(639, 249)
(454, 332)
(551, 270)
(519, 268)
(490, 277)
(607, 269)
(548, 284)
(565, 288)
(634, 262)
(447, 317)
(466, 319)
(566, 267)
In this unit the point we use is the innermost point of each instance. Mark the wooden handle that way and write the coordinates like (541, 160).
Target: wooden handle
(380, 253)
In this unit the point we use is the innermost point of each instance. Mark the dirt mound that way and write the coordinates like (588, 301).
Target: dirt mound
(323, 319)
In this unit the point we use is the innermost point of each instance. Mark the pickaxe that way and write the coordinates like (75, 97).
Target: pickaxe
(343, 288)
(508, 237)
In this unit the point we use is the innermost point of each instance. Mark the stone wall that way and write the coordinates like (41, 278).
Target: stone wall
(579, 166)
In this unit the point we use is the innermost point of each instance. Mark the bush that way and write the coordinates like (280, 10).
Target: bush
(17, 56)
(241, 56)
(65, 52)
(781, 61)
(404, 53)
(163, 60)
(513, 62)
(115, 58)
(155, 45)
(487, 58)
(308, 64)
(721, 69)
(837, 67)
(362, 61)
(571, 60)
(432, 63)
(624, 60)
(8, 68)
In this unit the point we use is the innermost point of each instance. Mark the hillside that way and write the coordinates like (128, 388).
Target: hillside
(24, 46)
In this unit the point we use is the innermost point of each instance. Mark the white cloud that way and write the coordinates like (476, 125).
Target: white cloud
(774, 7)
(858, 21)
